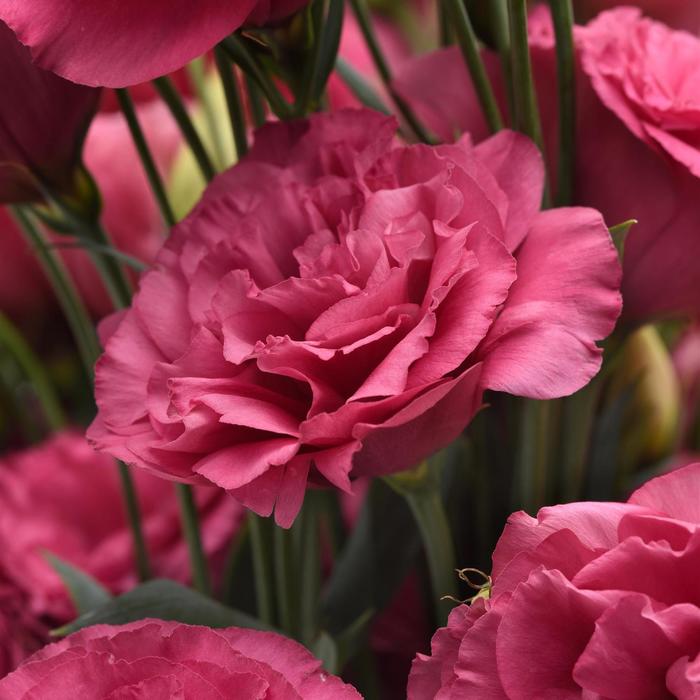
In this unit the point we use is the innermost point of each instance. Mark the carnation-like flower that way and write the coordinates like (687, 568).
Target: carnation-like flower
(62, 497)
(589, 600)
(127, 42)
(336, 305)
(638, 130)
(156, 659)
(43, 121)
(680, 14)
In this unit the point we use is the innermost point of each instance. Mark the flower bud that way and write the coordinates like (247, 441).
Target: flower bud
(43, 122)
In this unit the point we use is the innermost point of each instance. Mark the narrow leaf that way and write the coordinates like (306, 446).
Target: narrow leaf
(85, 592)
(164, 600)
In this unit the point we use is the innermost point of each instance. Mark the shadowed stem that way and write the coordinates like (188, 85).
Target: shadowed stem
(233, 101)
(172, 99)
(361, 12)
(86, 339)
(469, 46)
(33, 370)
(149, 164)
(190, 527)
(563, 17)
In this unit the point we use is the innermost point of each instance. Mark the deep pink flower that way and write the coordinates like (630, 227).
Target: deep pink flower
(638, 133)
(128, 42)
(589, 600)
(43, 120)
(156, 659)
(680, 14)
(64, 498)
(335, 306)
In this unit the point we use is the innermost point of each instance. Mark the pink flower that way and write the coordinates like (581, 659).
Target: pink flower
(335, 306)
(156, 659)
(21, 633)
(43, 120)
(129, 42)
(638, 124)
(63, 498)
(681, 14)
(589, 600)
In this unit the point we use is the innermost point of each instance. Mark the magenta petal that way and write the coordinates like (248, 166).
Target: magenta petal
(121, 43)
(542, 345)
(544, 631)
(421, 428)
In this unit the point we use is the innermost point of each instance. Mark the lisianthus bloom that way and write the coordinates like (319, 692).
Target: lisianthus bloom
(129, 212)
(637, 135)
(43, 121)
(156, 659)
(62, 497)
(680, 14)
(130, 41)
(589, 600)
(335, 306)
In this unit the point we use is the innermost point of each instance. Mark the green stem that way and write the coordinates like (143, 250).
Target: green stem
(149, 164)
(563, 17)
(257, 106)
(233, 101)
(86, 339)
(198, 77)
(285, 580)
(445, 30)
(172, 99)
(469, 46)
(309, 570)
(498, 11)
(133, 514)
(111, 272)
(262, 567)
(240, 55)
(527, 117)
(25, 357)
(420, 487)
(362, 14)
(190, 526)
(72, 305)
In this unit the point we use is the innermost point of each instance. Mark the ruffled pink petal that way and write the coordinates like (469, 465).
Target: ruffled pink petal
(634, 645)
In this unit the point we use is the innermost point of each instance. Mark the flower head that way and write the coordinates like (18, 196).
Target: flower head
(336, 305)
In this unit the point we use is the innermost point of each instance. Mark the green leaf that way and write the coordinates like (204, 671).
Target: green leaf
(379, 553)
(359, 87)
(85, 592)
(164, 600)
